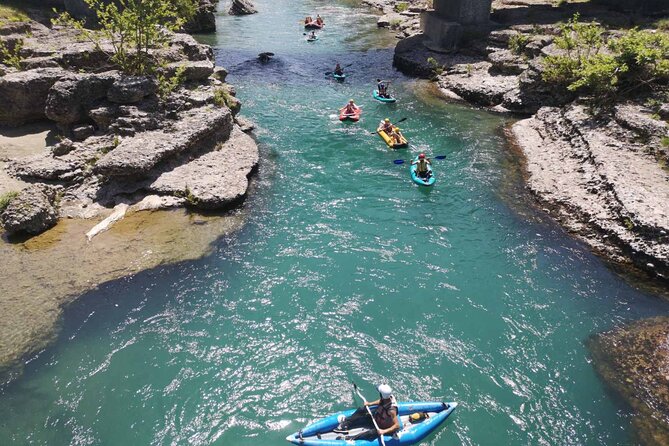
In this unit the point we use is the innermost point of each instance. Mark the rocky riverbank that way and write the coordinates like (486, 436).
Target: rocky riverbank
(603, 177)
(107, 146)
(634, 360)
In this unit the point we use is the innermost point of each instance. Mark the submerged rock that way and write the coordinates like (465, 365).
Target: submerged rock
(242, 7)
(31, 211)
(634, 360)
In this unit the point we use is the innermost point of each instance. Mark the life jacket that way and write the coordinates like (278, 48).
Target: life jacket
(422, 166)
(383, 415)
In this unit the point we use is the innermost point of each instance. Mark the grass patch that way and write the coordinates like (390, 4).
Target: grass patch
(5, 199)
(401, 7)
(10, 14)
(665, 141)
(223, 98)
(517, 43)
(662, 24)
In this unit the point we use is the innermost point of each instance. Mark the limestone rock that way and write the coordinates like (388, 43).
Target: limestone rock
(474, 83)
(195, 128)
(32, 211)
(192, 70)
(23, 94)
(635, 117)
(131, 89)
(70, 98)
(242, 7)
(388, 20)
(204, 20)
(216, 179)
(220, 74)
(245, 125)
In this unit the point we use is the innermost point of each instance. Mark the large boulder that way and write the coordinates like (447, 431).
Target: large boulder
(204, 20)
(131, 89)
(215, 180)
(71, 97)
(23, 95)
(242, 7)
(194, 130)
(32, 211)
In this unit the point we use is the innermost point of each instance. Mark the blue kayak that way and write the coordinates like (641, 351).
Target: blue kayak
(339, 77)
(376, 96)
(321, 432)
(312, 39)
(429, 181)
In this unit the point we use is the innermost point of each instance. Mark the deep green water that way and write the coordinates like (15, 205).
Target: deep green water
(346, 271)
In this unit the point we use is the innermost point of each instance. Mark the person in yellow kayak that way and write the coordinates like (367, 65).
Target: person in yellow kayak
(386, 126)
(422, 166)
(385, 416)
(396, 135)
(351, 108)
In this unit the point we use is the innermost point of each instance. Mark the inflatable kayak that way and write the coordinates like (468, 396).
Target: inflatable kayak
(313, 25)
(355, 117)
(412, 429)
(391, 141)
(312, 39)
(376, 96)
(429, 181)
(339, 77)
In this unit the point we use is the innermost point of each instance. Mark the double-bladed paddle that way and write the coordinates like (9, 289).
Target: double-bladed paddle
(327, 73)
(369, 412)
(438, 157)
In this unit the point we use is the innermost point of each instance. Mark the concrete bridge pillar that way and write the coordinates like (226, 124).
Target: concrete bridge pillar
(453, 21)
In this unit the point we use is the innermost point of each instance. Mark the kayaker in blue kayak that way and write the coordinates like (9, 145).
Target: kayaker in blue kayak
(338, 70)
(385, 416)
(422, 166)
(382, 87)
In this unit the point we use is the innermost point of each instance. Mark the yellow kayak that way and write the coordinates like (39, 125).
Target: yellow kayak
(391, 142)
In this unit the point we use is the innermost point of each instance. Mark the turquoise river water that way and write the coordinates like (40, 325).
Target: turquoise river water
(345, 271)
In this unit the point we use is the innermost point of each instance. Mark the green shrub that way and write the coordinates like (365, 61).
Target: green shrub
(518, 42)
(633, 60)
(223, 98)
(401, 7)
(436, 68)
(6, 198)
(133, 28)
(11, 14)
(167, 84)
(665, 141)
(11, 56)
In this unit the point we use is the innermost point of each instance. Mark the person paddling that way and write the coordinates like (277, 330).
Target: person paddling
(319, 20)
(386, 126)
(422, 166)
(385, 416)
(382, 87)
(351, 108)
(339, 71)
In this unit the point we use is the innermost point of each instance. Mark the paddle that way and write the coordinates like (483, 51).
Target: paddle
(327, 73)
(396, 122)
(438, 157)
(369, 412)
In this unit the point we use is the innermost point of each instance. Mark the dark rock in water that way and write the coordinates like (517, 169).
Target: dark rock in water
(70, 98)
(204, 20)
(32, 211)
(242, 7)
(265, 57)
(634, 360)
(23, 94)
(131, 89)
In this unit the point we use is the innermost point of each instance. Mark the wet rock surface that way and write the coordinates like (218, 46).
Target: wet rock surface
(242, 7)
(634, 361)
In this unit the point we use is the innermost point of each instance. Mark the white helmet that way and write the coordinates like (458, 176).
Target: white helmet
(385, 390)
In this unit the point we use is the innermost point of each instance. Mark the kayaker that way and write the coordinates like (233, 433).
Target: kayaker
(386, 126)
(338, 70)
(396, 135)
(422, 166)
(382, 88)
(312, 35)
(307, 20)
(351, 108)
(319, 20)
(385, 416)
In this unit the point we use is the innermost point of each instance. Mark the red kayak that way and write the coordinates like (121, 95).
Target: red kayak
(355, 117)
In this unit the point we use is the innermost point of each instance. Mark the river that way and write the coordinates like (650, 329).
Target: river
(345, 272)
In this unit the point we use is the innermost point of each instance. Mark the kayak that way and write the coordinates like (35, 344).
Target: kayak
(313, 25)
(312, 39)
(355, 117)
(381, 98)
(339, 77)
(429, 181)
(320, 433)
(391, 142)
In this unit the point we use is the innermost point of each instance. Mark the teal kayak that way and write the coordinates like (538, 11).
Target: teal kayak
(429, 181)
(322, 432)
(312, 39)
(339, 77)
(381, 98)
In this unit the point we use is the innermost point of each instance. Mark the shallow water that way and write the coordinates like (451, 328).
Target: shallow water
(346, 271)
